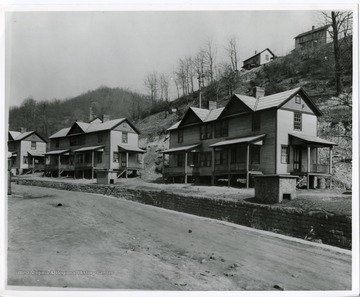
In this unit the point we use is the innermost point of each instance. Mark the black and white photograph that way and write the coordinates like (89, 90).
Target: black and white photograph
(197, 150)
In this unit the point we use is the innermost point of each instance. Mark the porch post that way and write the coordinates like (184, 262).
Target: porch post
(127, 164)
(186, 161)
(247, 164)
(84, 155)
(229, 167)
(213, 166)
(33, 164)
(142, 160)
(92, 165)
(163, 168)
(59, 166)
(308, 167)
(330, 160)
(330, 165)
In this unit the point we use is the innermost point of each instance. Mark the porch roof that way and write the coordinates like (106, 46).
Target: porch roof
(249, 139)
(89, 148)
(182, 148)
(130, 148)
(35, 154)
(58, 152)
(313, 139)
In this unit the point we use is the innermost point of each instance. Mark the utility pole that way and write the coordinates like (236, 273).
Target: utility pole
(201, 80)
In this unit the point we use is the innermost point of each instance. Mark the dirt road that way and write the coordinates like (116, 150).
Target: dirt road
(99, 242)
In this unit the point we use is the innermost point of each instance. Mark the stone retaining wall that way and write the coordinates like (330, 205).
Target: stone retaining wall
(329, 228)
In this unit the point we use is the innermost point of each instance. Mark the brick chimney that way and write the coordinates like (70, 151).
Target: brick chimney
(258, 92)
(212, 105)
(22, 130)
(313, 28)
(105, 118)
(255, 52)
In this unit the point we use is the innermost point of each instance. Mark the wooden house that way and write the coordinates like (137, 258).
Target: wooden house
(275, 134)
(101, 144)
(26, 151)
(314, 37)
(259, 59)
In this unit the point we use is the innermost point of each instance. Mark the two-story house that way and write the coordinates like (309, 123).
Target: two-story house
(258, 59)
(314, 37)
(275, 134)
(101, 144)
(26, 151)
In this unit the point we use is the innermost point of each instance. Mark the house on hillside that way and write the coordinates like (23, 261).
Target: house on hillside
(101, 144)
(275, 134)
(314, 37)
(26, 151)
(259, 59)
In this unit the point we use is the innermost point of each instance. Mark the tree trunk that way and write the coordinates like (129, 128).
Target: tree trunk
(337, 54)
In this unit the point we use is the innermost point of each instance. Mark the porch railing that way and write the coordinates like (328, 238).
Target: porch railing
(320, 168)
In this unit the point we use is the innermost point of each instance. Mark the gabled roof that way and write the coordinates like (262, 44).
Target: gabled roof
(173, 127)
(16, 136)
(93, 127)
(200, 112)
(275, 100)
(63, 132)
(313, 31)
(214, 114)
(204, 115)
(267, 49)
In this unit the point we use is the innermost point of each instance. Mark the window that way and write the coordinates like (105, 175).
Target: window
(179, 160)
(297, 121)
(297, 99)
(256, 121)
(221, 129)
(33, 145)
(125, 125)
(266, 57)
(255, 154)
(116, 157)
(124, 137)
(98, 157)
(205, 159)
(180, 136)
(25, 160)
(100, 139)
(79, 158)
(206, 131)
(284, 154)
(221, 158)
(57, 143)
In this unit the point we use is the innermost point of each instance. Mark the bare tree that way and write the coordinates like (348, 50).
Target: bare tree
(199, 66)
(152, 83)
(341, 25)
(232, 50)
(209, 57)
(164, 87)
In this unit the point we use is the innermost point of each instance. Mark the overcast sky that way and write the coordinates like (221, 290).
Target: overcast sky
(63, 54)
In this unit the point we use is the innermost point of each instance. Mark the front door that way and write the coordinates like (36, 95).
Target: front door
(123, 160)
(297, 159)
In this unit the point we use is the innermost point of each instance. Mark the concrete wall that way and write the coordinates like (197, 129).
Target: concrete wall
(330, 229)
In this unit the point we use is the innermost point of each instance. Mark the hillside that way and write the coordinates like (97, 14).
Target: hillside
(47, 117)
(312, 70)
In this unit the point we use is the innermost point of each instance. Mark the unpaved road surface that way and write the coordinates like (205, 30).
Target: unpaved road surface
(100, 242)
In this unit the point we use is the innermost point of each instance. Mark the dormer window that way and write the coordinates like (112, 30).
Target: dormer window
(124, 137)
(206, 131)
(256, 121)
(180, 136)
(297, 121)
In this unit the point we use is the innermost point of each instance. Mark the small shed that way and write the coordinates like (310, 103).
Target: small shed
(106, 177)
(275, 188)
